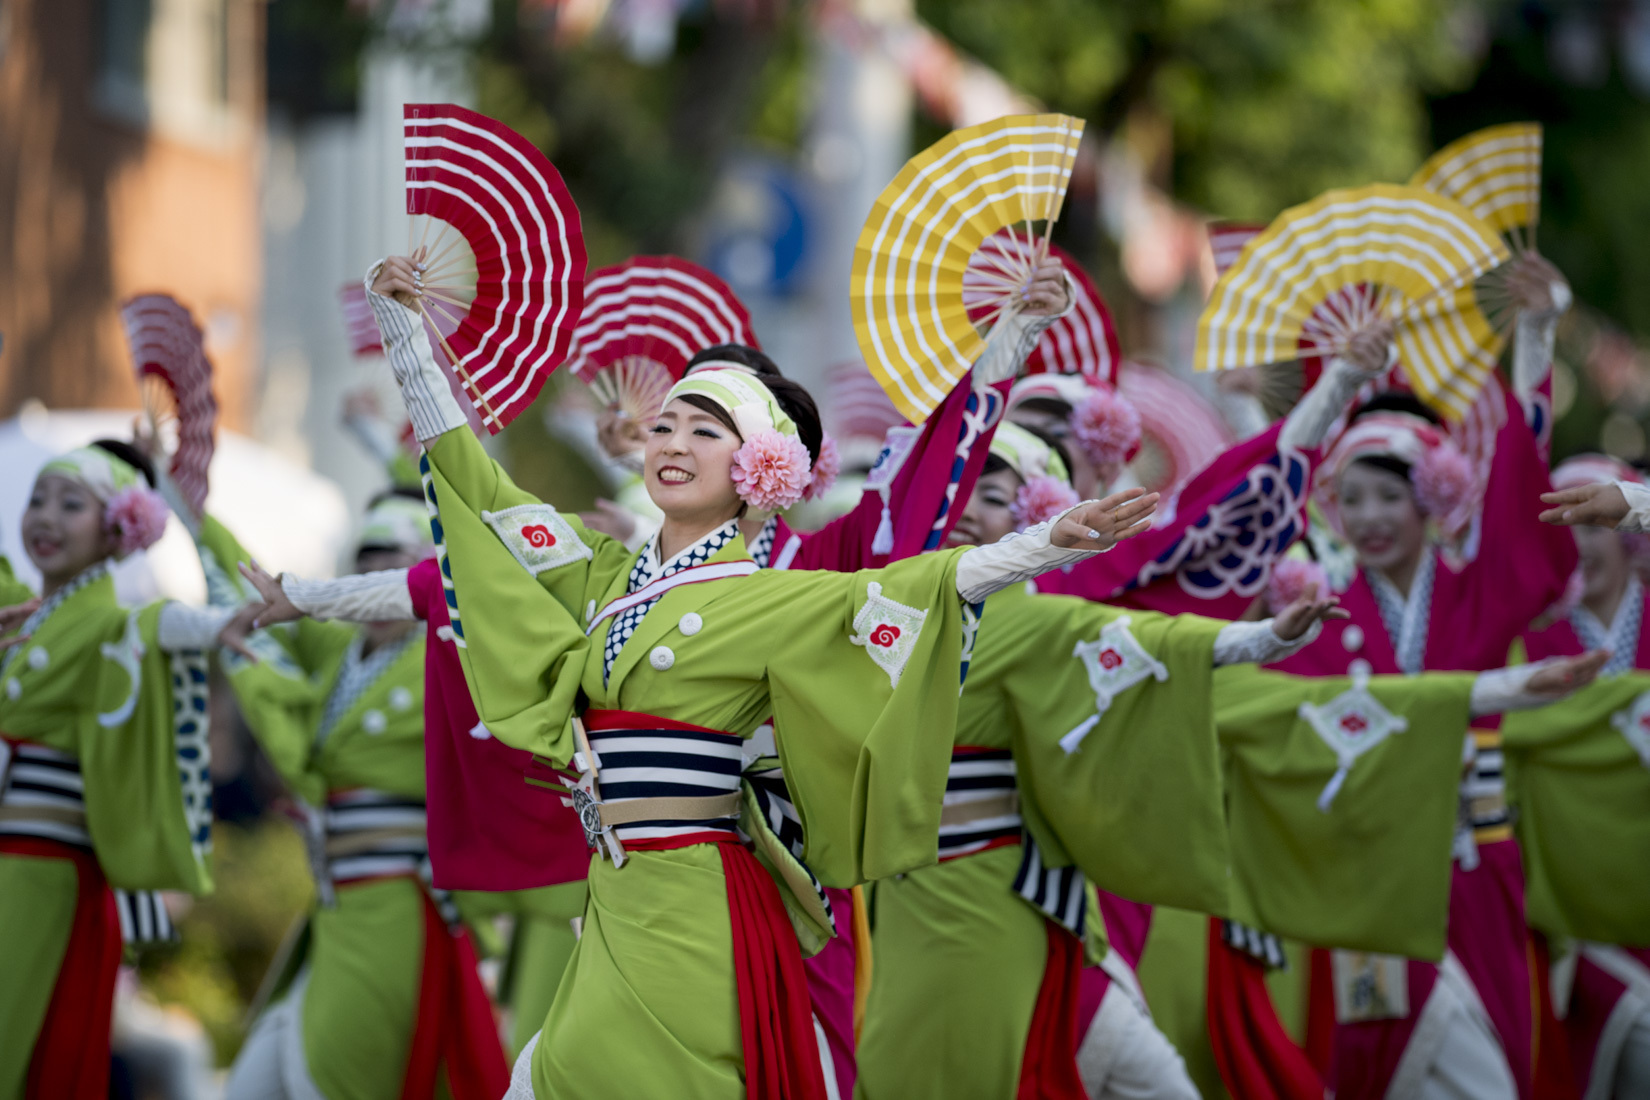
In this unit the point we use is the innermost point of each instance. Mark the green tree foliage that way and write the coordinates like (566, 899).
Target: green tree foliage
(1268, 102)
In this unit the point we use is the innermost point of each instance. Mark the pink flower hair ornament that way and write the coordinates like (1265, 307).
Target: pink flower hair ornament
(1107, 427)
(1041, 498)
(1443, 480)
(826, 469)
(136, 517)
(771, 470)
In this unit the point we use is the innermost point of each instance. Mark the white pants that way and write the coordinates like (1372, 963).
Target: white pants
(1125, 1057)
(1621, 1066)
(271, 1064)
(1454, 1053)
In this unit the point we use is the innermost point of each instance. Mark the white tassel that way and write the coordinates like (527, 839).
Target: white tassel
(1072, 740)
(883, 541)
(1333, 789)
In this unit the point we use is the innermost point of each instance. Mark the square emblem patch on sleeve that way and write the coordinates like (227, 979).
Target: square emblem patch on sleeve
(888, 630)
(1115, 662)
(537, 536)
(1634, 724)
(1351, 724)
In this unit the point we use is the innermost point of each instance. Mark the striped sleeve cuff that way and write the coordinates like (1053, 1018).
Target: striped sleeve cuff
(430, 403)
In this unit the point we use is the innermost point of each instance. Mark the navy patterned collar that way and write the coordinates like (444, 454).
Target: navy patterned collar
(1621, 638)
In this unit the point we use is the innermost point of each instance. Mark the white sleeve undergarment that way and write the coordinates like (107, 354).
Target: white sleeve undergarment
(1257, 643)
(1502, 690)
(1011, 341)
(1638, 507)
(1533, 337)
(982, 570)
(430, 403)
(1309, 421)
(381, 597)
(183, 627)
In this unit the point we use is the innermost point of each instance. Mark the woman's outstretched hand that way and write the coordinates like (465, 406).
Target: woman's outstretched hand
(234, 633)
(1102, 524)
(1559, 678)
(1601, 505)
(1296, 619)
(1046, 295)
(276, 607)
(402, 278)
(14, 616)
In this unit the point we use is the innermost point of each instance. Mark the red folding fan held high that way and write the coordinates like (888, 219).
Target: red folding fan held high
(503, 252)
(175, 378)
(643, 320)
(1083, 341)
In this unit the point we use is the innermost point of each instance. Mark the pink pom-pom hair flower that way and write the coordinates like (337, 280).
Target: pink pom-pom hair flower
(826, 469)
(1290, 579)
(1443, 480)
(771, 470)
(1107, 427)
(1041, 498)
(136, 517)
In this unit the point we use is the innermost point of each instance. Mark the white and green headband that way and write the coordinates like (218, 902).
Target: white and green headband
(772, 468)
(1027, 455)
(101, 472)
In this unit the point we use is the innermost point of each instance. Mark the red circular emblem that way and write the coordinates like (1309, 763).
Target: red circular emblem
(1110, 658)
(1354, 723)
(538, 535)
(885, 635)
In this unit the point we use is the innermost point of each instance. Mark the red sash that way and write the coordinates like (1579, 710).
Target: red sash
(454, 1028)
(71, 1052)
(1256, 1057)
(1049, 1069)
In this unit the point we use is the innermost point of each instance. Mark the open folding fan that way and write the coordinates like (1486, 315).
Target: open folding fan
(1495, 173)
(643, 320)
(1326, 268)
(1084, 341)
(175, 379)
(915, 329)
(1180, 432)
(503, 253)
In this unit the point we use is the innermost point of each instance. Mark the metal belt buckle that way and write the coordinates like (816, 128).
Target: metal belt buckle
(589, 809)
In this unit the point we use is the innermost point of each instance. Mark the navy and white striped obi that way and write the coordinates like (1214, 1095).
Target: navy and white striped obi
(1059, 893)
(371, 834)
(981, 808)
(640, 756)
(43, 796)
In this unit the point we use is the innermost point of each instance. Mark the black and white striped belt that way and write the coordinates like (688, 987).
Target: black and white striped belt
(42, 795)
(982, 806)
(371, 834)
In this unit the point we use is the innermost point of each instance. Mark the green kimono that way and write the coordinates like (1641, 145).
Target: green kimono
(364, 954)
(93, 683)
(858, 670)
(1137, 806)
(1579, 774)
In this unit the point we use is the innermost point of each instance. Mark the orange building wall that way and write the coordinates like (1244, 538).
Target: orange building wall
(94, 208)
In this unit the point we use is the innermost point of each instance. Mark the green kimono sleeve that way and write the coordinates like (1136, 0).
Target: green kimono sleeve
(520, 579)
(144, 762)
(12, 590)
(863, 673)
(1578, 773)
(1372, 870)
(1137, 802)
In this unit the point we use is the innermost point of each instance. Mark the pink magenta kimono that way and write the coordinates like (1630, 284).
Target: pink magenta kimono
(1477, 611)
(1596, 995)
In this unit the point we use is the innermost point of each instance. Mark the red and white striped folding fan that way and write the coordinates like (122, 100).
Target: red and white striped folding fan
(359, 324)
(1226, 241)
(503, 252)
(856, 407)
(1083, 342)
(175, 379)
(1180, 432)
(643, 320)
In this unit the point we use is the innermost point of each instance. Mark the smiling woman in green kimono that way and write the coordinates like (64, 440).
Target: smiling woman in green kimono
(687, 981)
(103, 766)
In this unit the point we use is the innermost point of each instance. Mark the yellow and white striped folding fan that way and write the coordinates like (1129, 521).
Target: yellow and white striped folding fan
(1495, 173)
(1396, 253)
(913, 325)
